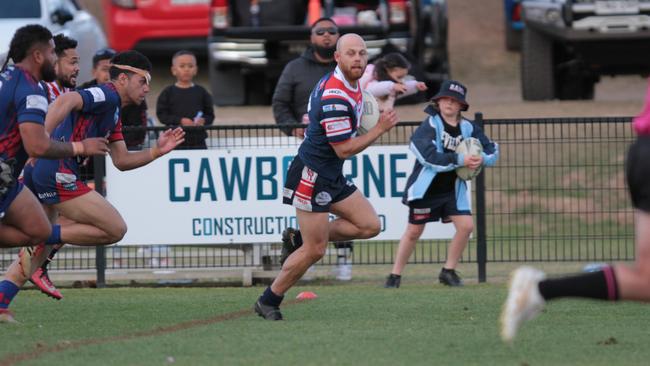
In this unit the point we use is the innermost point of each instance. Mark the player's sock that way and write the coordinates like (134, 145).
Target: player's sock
(594, 285)
(269, 298)
(55, 237)
(50, 257)
(8, 290)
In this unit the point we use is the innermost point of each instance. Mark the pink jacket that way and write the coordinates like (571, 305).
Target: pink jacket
(383, 90)
(642, 122)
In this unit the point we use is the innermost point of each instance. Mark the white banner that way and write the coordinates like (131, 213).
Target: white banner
(235, 196)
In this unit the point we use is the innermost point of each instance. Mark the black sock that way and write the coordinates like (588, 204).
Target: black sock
(297, 239)
(49, 258)
(393, 275)
(270, 298)
(593, 285)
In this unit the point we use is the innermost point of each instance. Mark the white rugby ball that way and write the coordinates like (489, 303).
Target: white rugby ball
(471, 146)
(369, 114)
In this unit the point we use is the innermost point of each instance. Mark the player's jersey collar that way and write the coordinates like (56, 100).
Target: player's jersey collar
(339, 75)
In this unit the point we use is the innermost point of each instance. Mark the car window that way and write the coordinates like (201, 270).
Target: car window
(21, 9)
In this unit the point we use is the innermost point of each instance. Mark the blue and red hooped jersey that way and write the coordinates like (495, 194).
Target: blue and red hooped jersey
(22, 100)
(99, 117)
(334, 113)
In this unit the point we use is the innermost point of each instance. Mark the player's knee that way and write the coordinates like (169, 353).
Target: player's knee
(116, 232)
(38, 232)
(315, 253)
(370, 229)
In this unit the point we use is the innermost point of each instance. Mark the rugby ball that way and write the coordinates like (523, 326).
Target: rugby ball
(471, 146)
(369, 113)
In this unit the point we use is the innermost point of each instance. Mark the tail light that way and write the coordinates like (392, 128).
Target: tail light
(516, 13)
(127, 4)
(219, 11)
(398, 11)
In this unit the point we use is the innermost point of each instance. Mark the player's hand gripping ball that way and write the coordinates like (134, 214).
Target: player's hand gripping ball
(473, 147)
(370, 113)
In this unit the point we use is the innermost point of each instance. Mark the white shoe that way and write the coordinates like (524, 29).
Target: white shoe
(344, 272)
(524, 301)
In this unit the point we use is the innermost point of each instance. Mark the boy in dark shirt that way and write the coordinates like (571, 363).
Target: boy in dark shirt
(185, 103)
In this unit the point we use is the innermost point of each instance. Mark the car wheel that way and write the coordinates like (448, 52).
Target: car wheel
(513, 38)
(537, 66)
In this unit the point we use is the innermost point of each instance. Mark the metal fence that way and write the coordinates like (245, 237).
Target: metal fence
(556, 194)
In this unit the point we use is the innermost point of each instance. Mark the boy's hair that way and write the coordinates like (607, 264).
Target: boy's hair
(62, 43)
(182, 53)
(128, 58)
(387, 62)
(24, 39)
(103, 54)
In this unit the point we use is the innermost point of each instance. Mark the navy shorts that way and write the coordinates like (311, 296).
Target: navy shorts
(306, 190)
(54, 181)
(434, 208)
(9, 197)
(637, 171)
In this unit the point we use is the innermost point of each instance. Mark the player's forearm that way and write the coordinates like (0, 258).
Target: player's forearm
(52, 149)
(133, 160)
(356, 145)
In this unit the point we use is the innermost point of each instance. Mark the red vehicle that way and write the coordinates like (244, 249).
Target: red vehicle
(157, 26)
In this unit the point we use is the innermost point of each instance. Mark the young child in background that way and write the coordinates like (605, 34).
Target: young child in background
(388, 80)
(185, 103)
(433, 190)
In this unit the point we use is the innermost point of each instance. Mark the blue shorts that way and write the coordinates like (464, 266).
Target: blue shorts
(434, 208)
(54, 181)
(9, 198)
(306, 190)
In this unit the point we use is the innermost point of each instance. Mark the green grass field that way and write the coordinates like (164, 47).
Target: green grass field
(350, 324)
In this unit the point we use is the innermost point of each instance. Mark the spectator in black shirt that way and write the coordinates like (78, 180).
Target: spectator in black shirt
(132, 115)
(299, 77)
(185, 103)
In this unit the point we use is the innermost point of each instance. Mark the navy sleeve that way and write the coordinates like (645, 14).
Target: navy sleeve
(31, 103)
(423, 145)
(336, 118)
(98, 100)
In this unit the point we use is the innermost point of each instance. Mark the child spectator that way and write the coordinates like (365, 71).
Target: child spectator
(185, 103)
(388, 80)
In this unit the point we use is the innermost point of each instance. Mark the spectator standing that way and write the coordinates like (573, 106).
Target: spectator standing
(433, 190)
(185, 103)
(299, 76)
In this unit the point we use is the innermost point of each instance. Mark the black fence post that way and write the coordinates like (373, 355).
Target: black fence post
(481, 228)
(99, 171)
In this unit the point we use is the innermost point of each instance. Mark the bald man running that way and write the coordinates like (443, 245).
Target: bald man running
(315, 184)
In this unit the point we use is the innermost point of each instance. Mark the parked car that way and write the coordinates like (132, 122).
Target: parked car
(59, 16)
(250, 45)
(157, 26)
(513, 25)
(569, 44)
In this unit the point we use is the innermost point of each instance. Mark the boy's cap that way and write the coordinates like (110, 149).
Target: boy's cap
(453, 89)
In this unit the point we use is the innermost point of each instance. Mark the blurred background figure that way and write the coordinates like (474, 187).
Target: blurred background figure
(388, 79)
(185, 103)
